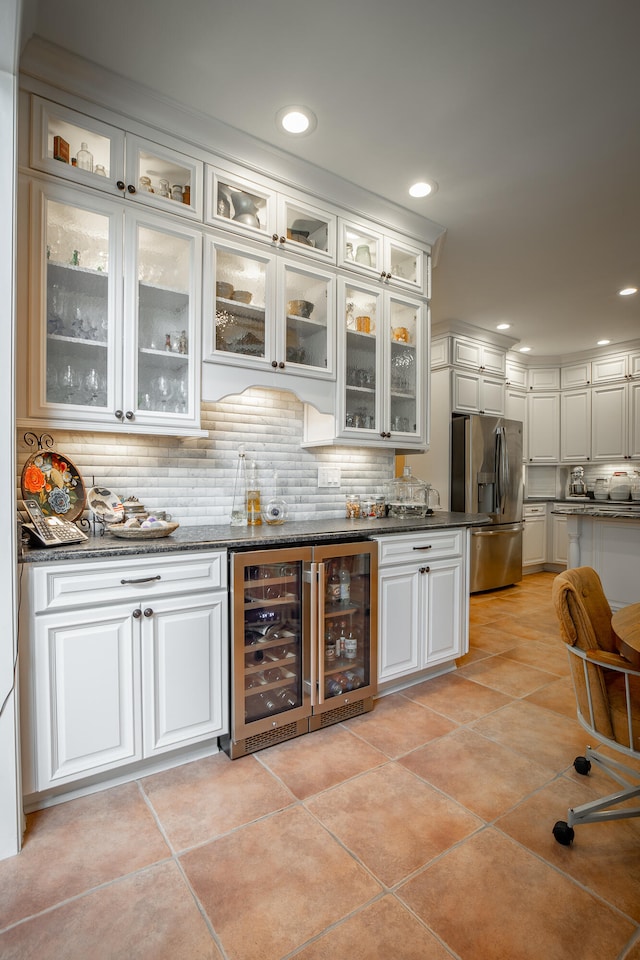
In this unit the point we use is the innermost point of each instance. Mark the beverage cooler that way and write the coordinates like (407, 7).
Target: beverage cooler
(303, 641)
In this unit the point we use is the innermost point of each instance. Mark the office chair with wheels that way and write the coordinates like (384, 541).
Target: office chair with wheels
(607, 689)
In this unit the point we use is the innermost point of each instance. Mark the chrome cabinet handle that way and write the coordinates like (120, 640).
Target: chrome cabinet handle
(142, 579)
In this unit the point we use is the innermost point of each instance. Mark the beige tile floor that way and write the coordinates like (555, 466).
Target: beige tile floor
(420, 831)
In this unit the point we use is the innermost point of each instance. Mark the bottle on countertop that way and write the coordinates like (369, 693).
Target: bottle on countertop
(254, 513)
(239, 506)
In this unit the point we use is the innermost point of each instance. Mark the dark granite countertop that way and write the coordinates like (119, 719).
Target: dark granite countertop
(223, 536)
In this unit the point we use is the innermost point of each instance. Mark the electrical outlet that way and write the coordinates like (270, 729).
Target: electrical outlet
(328, 476)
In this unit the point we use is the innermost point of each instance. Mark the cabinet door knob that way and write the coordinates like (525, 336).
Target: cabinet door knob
(131, 188)
(137, 613)
(274, 237)
(283, 239)
(129, 414)
(383, 275)
(120, 184)
(389, 276)
(148, 612)
(281, 365)
(425, 569)
(274, 363)
(119, 414)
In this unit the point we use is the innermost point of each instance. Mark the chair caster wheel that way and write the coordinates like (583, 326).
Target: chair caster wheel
(563, 833)
(582, 765)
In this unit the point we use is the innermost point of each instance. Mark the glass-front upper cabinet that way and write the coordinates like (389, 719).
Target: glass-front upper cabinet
(86, 151)
(382, 367)
(109, 353)
(162, 294)
(365, 249)
(255, 208)
(76, 249)
(266, 312)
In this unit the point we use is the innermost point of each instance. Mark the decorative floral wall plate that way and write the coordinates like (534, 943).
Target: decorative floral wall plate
(54, 482)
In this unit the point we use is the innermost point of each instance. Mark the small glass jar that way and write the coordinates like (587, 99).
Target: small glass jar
(352, 506)
(176, 192)
(99, 170)
(144, 183)
(379, 508)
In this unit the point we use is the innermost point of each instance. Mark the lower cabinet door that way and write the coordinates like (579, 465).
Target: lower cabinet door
(445, 632)
(422, 617)
(86, 691)
(399, 611)
(184, 671)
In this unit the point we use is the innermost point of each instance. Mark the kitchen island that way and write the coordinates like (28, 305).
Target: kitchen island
(606, 536)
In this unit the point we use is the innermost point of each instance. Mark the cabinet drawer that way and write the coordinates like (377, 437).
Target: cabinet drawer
(540, 510)
(59, 586)
(427, 545)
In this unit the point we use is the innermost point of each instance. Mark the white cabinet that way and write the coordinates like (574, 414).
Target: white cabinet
(423, 602)
(118, 163)
(477, 355)
(516, 374)
(270, 314)
(559, 539)
(114, 309)
(543, 427)
(476, 393)
(364, 248)
(606, 369)
(576, 375)
(575, 425)
(534, 537)
(251, 205)
(609, 418)
(543, 378)
(123, 660)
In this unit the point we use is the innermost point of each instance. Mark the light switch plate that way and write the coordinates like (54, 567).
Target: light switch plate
(328, 476)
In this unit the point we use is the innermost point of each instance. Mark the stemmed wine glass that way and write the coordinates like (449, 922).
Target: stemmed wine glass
(163, 388)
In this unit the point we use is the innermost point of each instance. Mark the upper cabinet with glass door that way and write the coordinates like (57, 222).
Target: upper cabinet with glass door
(256, 208)
(86, 151)
(382, 370)
(264, 312)
(99, 353)
(364, 248)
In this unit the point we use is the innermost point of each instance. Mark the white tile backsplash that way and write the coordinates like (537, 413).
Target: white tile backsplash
(194, 478)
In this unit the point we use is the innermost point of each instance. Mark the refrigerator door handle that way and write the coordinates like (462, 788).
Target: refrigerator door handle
(502, 469)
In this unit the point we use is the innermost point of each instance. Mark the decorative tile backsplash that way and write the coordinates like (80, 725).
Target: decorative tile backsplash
(194, 478)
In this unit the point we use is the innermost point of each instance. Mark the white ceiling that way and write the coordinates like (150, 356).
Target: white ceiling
(526, 114)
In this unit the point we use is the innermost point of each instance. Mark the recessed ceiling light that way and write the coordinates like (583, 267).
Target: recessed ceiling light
(524, 349)
(503, 326)
(603, 343)
(296, 120)
(422, 188)
(627, 291)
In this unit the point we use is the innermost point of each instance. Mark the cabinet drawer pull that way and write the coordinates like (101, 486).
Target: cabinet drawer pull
(142, 580)
(428, 547)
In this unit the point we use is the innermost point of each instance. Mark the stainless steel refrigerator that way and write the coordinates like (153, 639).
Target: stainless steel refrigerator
(486, 477)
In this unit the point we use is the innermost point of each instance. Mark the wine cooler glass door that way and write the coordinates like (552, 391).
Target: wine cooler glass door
(346, 636)
(269, 641)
